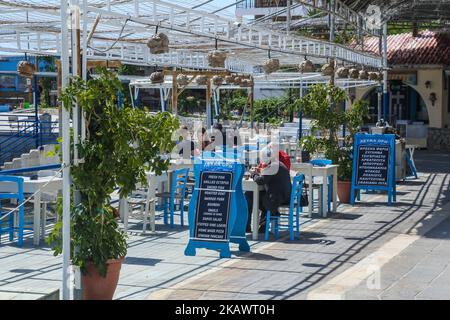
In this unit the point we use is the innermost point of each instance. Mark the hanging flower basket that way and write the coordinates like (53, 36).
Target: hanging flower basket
(380, 76)
(158, 44)
(201, 80)
(363, 75)
(229, 79)
(157, 77)
(306, 66)
(271, 65)
(237, 80)
(25, 69)
(342, 72)
(245, 83)
(182, 80)
(373, 76)
(327, 69)
(354, 73)
(216, 59)
(217, 80)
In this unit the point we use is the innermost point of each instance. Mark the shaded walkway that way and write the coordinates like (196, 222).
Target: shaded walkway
(330, 247)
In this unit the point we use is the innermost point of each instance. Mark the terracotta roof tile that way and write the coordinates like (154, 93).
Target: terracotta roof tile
(427, 48)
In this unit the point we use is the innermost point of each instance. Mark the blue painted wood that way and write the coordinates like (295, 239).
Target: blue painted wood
(20, 198)
(224, 164)
(385, 140)
(294, 205)
(31, 169)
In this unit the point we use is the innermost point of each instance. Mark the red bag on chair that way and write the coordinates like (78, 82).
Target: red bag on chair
(285, 159)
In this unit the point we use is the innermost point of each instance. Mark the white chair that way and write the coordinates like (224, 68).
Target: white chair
(307, 170)
(141, 198)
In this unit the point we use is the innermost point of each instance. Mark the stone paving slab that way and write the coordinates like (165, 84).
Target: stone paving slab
(292, 269)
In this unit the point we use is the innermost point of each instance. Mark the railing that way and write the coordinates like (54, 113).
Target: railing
(21, 133)
(249, 4)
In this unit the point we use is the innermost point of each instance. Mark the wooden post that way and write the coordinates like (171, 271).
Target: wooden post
(174, 94)
(208, 104)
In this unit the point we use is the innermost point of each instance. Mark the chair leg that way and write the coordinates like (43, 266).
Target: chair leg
(182, 212)
(291, 225)
(11, 226)
(147, 208)
(268, 221)
(21, 223)
(276, 227)
(165, 211)
(172, 211)
(44, 219)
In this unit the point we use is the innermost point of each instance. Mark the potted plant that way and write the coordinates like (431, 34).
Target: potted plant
(325, 125)
(121, 145)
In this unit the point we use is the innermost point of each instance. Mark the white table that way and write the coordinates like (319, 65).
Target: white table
(30, 187)
(250, 185)
(325, 172)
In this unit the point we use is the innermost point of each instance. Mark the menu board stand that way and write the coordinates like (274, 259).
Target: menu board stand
(218, 208)
(374, 165)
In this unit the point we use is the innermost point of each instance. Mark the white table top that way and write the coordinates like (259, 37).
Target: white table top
(31, 186)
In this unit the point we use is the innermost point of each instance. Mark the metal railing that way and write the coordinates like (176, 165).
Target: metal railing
(19, 134)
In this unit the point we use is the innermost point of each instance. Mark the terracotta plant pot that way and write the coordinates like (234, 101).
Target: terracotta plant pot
(344, 190)
(96, 287)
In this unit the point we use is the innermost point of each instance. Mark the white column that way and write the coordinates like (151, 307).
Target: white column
(66, 156)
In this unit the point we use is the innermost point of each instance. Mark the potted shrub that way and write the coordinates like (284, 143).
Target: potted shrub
(325, 125)
(120, 145)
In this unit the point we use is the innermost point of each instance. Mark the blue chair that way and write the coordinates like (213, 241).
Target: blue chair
(324, 163)
(177, 192)
(296, 195)
(18, 195)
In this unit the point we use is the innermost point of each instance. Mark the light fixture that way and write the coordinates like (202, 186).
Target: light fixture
(433, 98)
(428, 84)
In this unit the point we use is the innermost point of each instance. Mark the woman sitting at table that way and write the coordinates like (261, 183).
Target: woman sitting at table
(276, 179)
(186, 148)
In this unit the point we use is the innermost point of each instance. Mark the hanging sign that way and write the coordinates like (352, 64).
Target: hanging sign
(374, 164)
(218, 208)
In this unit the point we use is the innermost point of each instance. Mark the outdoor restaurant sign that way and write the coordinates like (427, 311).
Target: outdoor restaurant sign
(374, 164)
(218, 209)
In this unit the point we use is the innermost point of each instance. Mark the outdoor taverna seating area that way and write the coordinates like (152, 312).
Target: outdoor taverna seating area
(220, 150)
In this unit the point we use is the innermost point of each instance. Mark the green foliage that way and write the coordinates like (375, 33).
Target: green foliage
(326, 123)
(120, 146)
(271, 110)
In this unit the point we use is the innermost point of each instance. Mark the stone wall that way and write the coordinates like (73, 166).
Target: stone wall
(439, 139)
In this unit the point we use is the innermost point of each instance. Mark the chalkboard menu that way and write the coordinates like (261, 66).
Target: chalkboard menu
(213, 206)
(372, 167)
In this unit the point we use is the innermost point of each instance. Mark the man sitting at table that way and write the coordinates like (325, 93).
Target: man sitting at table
(276, 179)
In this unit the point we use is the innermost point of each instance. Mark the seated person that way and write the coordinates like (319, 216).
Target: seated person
(186, 148)
(276, 179)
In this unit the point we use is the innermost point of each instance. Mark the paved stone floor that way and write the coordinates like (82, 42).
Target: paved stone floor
(356, 244)
(370, 251)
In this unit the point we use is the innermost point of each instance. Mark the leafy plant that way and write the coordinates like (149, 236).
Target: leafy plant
(120, 146)
(327, 121)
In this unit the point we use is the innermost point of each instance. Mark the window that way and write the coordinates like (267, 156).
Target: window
(7, 82)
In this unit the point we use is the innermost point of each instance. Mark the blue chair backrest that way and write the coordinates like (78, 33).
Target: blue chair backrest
(179, 179)
(13, 194)
(321, 162)
(297, 188)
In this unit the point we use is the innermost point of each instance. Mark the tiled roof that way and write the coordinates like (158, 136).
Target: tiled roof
(427, 48)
